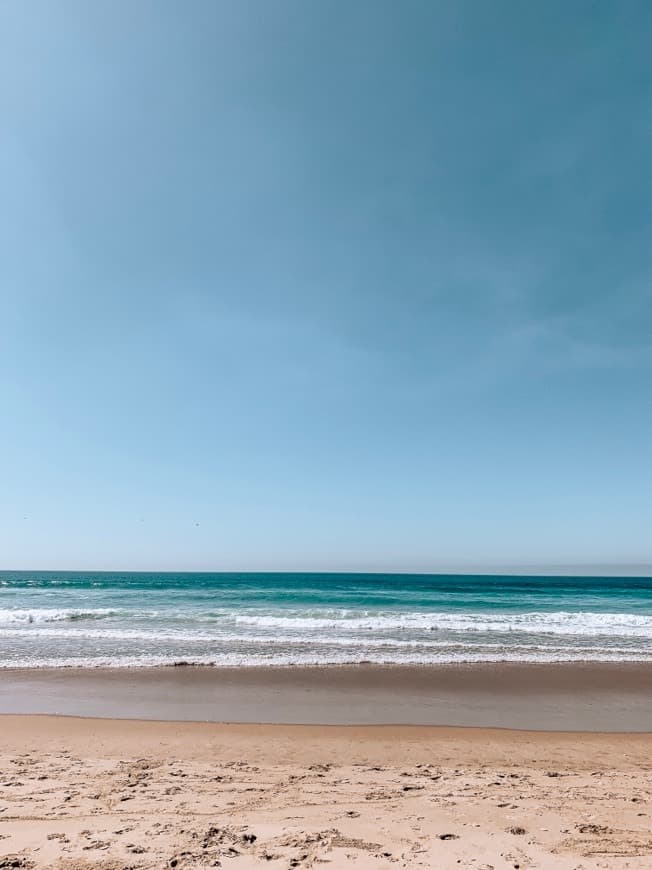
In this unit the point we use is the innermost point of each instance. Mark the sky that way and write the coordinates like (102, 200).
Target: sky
(323, 285)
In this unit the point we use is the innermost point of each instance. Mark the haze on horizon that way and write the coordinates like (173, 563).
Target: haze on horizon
(325, 286)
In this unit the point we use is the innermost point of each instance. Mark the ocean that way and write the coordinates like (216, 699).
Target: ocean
(54, 619)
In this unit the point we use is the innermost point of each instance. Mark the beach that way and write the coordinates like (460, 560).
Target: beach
(110, 794)
(283, 720)
(119, 788)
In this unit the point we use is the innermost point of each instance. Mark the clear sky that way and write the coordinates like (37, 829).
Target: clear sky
(326, 285)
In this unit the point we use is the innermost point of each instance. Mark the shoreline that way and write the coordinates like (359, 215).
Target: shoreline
(105, 737)
(413, 734)
(602, 669)
(587, 697)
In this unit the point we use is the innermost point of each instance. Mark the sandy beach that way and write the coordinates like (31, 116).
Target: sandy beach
(92, 793)
(119, 793)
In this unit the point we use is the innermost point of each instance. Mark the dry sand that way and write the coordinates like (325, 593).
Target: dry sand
(117, 794)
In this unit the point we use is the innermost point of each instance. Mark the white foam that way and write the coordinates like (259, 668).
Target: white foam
(122, 636)
(20, 616)
(538, 622)
(94, 637)
(247, 659)
(583, 623)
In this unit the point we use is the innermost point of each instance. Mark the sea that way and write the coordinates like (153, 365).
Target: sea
(86, 619)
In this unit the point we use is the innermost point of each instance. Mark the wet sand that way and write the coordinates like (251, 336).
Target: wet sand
(580, 697)
(101, 794)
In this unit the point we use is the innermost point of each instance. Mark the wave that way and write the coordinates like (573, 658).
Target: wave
(155, 635)
(560, 622)
(19, 616)
(347, 622)
(294, 659)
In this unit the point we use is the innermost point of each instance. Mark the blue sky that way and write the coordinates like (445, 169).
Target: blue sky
(325, 285)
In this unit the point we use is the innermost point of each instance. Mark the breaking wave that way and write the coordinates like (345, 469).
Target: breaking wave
(18, 616)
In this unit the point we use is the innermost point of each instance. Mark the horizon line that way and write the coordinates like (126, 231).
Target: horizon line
(584, 569)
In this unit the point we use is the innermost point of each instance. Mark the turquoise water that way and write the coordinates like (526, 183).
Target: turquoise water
(100, 619)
